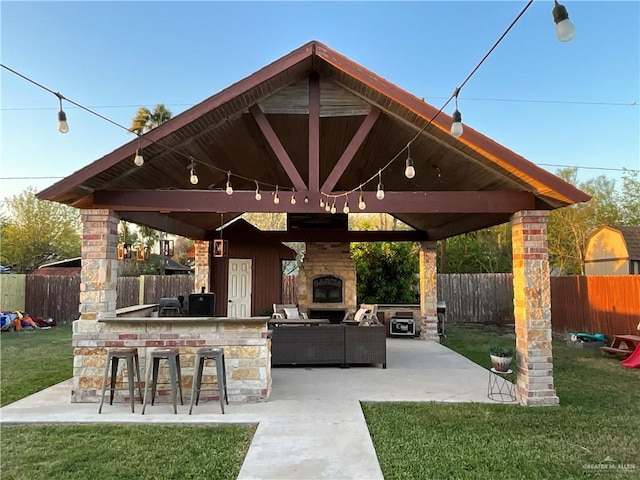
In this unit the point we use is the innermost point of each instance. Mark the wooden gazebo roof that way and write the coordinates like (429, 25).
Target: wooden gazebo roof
(317, 122)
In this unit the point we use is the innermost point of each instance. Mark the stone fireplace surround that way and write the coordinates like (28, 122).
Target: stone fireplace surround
(327, 259)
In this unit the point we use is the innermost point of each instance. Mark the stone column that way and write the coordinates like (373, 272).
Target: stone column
(202, 266)
(428, 292)
(532, 308)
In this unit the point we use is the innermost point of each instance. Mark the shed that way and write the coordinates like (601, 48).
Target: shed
(613, 250)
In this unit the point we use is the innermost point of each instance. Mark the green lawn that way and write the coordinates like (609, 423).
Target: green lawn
(599, 416)
(31, 360)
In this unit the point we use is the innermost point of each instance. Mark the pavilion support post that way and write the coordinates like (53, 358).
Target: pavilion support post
(98, 283)
(202, 266)
(532, 308)
(428, 292)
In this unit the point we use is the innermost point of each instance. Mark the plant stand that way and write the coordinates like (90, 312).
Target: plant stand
(500, 389)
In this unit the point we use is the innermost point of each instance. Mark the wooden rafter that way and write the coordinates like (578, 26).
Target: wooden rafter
(314, 132)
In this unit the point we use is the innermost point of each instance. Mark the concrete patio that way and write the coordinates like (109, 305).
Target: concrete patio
(312, 427)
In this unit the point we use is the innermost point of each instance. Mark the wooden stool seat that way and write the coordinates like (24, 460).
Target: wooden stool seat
(172, 356)
(203, 354)
(130, 355)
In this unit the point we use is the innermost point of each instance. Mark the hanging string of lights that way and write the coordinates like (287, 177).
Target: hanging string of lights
(565, 31)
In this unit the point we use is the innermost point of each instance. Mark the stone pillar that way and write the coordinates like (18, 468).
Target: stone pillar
(202, 266)
(428, 292)
(532, 308)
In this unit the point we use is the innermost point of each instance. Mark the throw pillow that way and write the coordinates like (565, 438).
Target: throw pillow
(360, 314)
(291, 313)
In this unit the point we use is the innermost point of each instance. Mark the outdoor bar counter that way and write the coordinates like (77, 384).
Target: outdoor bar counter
(245, 342)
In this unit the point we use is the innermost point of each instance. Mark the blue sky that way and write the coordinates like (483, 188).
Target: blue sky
(116, 56)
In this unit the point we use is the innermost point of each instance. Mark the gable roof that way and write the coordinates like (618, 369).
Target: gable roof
(317, 122)
(631, 237)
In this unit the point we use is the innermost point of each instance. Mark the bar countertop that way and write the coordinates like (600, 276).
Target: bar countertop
(184, 320)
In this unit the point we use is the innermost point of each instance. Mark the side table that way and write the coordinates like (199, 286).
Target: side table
(500, 389)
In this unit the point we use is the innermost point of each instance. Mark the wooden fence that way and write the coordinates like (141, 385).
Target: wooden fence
(289, 289)
(58, 296)
(608, 304)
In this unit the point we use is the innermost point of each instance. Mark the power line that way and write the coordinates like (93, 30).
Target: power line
(30, 109)
(590, 168)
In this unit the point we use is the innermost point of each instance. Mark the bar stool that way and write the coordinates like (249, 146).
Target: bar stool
(130, 355)
(203, 354)
(172, 356)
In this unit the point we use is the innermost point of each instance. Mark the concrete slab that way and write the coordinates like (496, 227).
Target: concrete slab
(312, 427)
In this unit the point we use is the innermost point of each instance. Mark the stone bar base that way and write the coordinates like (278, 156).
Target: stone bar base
(245, 343)
(428, 292)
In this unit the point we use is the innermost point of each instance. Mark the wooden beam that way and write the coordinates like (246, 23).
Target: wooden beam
(207, 201)
(314, 132)
(277, 147)
(328, 235)
(351, 150)
(162, 222)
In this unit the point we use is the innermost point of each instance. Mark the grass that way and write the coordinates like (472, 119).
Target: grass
(31, 360)
(599, 416)
(124, 452)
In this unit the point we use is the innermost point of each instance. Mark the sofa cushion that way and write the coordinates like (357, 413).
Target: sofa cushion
(360, 314)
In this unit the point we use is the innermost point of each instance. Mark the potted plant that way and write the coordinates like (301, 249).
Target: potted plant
(501, 357)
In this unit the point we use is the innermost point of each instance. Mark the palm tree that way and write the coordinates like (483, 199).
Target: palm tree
(144, 119)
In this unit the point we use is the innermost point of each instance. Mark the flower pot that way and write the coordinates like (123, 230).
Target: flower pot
(501, 364)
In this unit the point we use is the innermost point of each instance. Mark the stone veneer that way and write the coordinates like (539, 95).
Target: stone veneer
(245, 343)
(532, 309)
(201, 266)
(327, 258)
(428, 292)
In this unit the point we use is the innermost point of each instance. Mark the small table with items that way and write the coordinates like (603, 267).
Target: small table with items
(500, 388)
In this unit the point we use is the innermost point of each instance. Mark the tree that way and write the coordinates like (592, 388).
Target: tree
(34, 232)
(629, 198)
(483, 251)
(386, 271)
(145, 120)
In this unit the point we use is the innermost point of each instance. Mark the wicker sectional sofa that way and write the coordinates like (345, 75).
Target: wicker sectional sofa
(329, 344)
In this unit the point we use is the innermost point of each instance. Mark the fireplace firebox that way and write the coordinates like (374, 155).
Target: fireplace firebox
(327, 289)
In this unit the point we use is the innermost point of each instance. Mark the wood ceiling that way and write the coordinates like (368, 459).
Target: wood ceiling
(316, 121)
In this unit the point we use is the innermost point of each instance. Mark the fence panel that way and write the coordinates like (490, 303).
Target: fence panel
(55, 296)
(12, 290)
(160, 286)
(608, 304)
(128, 291)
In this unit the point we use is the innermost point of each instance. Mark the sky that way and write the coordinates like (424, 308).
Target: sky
(573, 103)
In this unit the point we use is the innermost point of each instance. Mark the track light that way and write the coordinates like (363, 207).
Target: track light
(380, 189)
(409, 170)
(63, 126)
(565, 31)
(229, 188)
(276, 199)
(258, 194)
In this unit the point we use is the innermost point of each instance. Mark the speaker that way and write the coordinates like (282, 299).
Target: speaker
(202, 305)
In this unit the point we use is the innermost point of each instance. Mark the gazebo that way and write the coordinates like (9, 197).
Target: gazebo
(314, 129)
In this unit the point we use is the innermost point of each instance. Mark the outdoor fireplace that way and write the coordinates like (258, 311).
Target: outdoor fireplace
(327, 289)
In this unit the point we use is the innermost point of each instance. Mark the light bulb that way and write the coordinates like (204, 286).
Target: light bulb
(258, 195)
(380, 192)
(409, 170)
(293, 199)
(306, 199)
(229, 189)
(63, 126)
(361, 204)
(333, 208)
(276, 199)
(138, 159)
(321, 202)
(346, 208)
(193, 178)
(327, 208)
(456, 125)
(565, 31)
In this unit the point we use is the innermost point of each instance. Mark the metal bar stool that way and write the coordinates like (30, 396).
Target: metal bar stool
(172, 356)
(130, 355)
(203, 354)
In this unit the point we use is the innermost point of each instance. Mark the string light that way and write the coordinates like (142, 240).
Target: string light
(321, 201)
(229, 188)
(333, 206)
(565, 30)
(276, 199)
(380, 189)
(293, 197)
(258, 194)
(138, 160)
(63, 126)
(409, 170)
(456, 118)
(306, 199)
(193, 177)
(345, 209)
(361, 204)
(327, 207)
